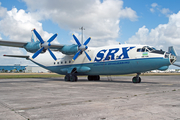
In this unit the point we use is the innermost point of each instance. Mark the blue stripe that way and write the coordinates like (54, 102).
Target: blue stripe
(117, 67)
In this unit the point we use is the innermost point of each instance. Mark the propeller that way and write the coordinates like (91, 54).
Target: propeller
(81, 47)
(45, 45)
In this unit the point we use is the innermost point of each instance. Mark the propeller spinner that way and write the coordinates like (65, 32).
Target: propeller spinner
(45, 45)
(81, 48)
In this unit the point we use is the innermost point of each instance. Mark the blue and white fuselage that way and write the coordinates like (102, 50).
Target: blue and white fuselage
(111, 60)
(79, 59)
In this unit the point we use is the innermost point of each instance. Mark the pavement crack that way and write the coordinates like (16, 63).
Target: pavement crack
(12, 109)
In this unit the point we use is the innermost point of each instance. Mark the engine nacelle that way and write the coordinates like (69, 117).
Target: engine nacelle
(69, 49)
(33, 47)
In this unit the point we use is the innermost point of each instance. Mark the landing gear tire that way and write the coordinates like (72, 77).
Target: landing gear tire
(71, 78)
(93, 77)
(136, 79)
(67, 78)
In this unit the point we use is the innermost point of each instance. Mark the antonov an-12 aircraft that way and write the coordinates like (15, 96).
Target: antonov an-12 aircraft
(79, 59)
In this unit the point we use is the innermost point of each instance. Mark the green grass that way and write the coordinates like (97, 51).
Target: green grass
(24, 75)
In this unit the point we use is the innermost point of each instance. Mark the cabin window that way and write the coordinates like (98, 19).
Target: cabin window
(65, 62)
(69, 61)
(61, 62)
(139, 50)
(57, 62)
(117, 57)
(143, 49)
(54, 63)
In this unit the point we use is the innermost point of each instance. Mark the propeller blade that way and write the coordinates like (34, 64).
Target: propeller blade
(37, 53)
(77, 41)
(38, 36)
(51, 53)
(52, 38)
(87, 56)
(87, 41)
(76, 55)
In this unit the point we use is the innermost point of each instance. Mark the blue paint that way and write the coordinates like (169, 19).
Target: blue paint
(111, 53)
(100, 55)
(124, 52)
(163, 68)
(32, 46)
(69, 49)
(116, 67)
(9, 68)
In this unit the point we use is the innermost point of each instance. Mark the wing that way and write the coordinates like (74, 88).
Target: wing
(28, 45)
(19, 56)
(12, 43)
(56, 47)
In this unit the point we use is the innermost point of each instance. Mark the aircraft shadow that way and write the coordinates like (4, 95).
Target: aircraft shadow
(44, 80)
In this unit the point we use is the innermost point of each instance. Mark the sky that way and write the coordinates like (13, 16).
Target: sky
(107, 22)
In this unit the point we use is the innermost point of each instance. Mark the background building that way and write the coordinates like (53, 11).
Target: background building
(17, 68)
(35, 69)
(12, 68)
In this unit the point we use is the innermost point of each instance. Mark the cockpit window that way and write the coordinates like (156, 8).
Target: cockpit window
(145, 49)
(150, 48)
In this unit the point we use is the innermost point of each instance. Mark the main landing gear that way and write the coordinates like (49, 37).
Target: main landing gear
(71, 78)
(93, 77)
(136, 79)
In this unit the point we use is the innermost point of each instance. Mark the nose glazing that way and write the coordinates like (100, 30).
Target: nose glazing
(172, 58)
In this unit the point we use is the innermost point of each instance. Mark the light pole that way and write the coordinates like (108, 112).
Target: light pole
(82, 34)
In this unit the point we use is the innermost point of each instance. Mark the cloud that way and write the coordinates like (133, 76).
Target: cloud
(2, 11)
(154, 5)
(163, 36)
(165, 11)
(157, 8)
(17, 26)
(101, 19)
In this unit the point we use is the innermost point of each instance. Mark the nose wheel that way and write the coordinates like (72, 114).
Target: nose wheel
(136, 79)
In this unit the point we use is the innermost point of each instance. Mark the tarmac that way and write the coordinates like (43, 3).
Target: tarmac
(112, 98)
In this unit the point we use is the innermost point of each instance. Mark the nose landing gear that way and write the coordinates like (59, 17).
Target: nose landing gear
(136, 79)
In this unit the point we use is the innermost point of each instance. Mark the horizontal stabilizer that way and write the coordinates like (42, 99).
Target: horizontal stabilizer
(19, 56)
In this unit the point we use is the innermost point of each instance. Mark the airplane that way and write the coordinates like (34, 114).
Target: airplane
(79, 59)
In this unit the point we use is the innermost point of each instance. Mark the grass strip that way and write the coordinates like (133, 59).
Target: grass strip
(25, 75)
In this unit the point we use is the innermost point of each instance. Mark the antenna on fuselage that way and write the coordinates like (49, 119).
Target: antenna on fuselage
(82, 28)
